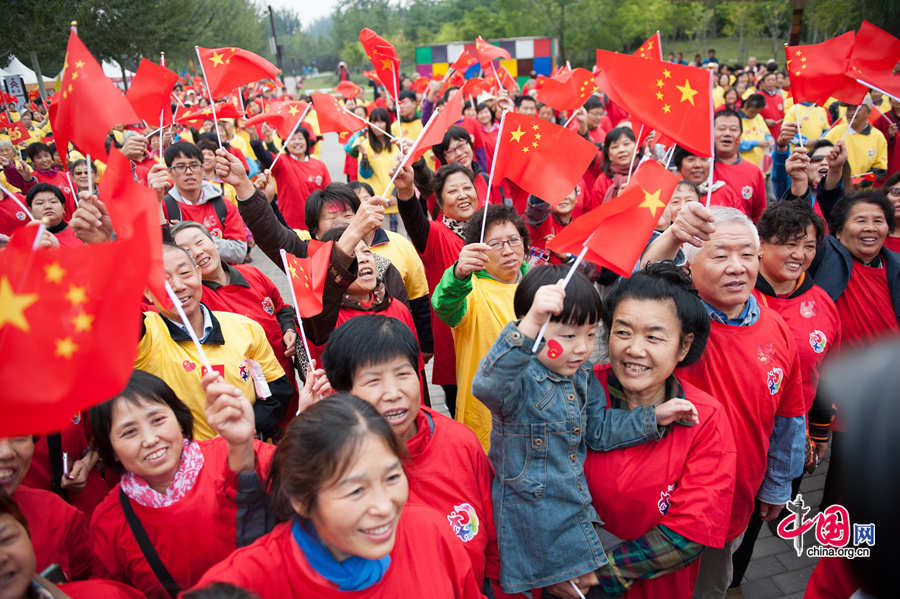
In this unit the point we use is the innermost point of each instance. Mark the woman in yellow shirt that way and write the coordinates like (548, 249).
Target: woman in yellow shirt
(376, 156)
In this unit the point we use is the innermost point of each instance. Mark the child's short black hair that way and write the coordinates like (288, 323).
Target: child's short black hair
(363, 341)
(583, 304)
(338, 193)
(354, 185)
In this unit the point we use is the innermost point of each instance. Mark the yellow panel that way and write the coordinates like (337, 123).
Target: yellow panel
(439, 69)
(512, 65)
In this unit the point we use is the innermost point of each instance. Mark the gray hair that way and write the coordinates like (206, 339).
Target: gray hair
(723, 215)
(190, 224)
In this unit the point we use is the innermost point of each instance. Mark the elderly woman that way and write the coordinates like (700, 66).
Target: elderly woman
(475, 299)
(669, 499)
(182, 505)
(339, 485)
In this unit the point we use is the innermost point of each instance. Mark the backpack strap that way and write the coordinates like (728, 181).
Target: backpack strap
(218, 204)
(150, 554)
(173, 212)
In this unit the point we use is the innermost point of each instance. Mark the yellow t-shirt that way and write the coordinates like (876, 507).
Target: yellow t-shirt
(403, 255)
(381, 164)
(865, 151)
(180, 366)
(813, 120)
(243, 145)
(755, 129)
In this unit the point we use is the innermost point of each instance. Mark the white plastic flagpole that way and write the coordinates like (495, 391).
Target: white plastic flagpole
(850, 122)
(19, 202)
(797, 118)
(296, 306)
(187, 324)
(633, 154)
(571, 118)
(40, 233)
(212, 102)
(366, 121)
(712, 143)
(496, 78)
(294, 130)
(72, 187)
(565, 282)
(396, 82)
(487, 200)
(161, 118)
(87, 157)
(669, 155)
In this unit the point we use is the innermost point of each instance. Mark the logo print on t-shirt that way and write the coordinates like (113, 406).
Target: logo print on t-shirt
(818, 341)
(188, 365)
(664, 499)
(870, 153)
(747, 192)
(773, 380)
(268, 306)
(464, 522)
(21, 215)
(808, 309)
(212, 223)
(766, 353)
(244, 372)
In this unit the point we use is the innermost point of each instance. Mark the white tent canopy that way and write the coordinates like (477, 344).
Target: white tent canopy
(112, 70)
(16, 67)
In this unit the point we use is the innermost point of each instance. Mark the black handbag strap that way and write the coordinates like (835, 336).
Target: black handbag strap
(140, 535)
(54, 448)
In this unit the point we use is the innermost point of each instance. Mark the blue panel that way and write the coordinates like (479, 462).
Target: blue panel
(543, 65)
(439, 53)
(472, 71)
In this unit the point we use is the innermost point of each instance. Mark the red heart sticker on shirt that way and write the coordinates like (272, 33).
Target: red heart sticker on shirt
(554, 349)
(188, 365)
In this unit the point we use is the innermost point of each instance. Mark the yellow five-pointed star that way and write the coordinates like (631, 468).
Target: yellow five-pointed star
(659, 96)
(54, 272)
(534, 144)
(525, 150)
(76, 295)
(666, 108)
(667, 73)
(537, 135)
(293, 271)
(79, 64)
(83, 322)
(216, 59)
(293, 109)
(65, 347)
(516, 134)
(74, 75)
(387, 63)
(659, 83)
(687, 92)
(12, 306)
(652, 202)
(535, 127)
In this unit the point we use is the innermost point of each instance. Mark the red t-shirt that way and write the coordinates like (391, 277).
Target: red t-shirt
(813, 319)
(724, 195)
(58, 531)
(297, 179)
(91, 589)
(441, 250)
(58, 178)
(189, 536)
(748, 183)
(684, 481)
(426, 555)
(601, 185)
(449, 472)
(754, 371)
(12, 216)
(205, 214)
(774, 109)
(832, 579)
(890, 242)
(67, 239)
(865, 307)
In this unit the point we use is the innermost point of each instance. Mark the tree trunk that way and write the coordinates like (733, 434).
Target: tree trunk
(40, 78)
(741, 43)
(562, 34)
(124, 76)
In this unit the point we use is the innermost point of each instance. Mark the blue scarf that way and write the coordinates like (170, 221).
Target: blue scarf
(352, 574)
(748, 316)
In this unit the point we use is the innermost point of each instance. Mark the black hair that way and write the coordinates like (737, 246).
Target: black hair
(141, 386)
(663, 281)
(191, 224)
(408, 94)
(611, 137)
(841, 211)
(82, 162)
(482, 106)
(172, 246)
(354, 185)
(454, 132)
(337, 193)
(678, 156)
(496, 213)
(689, 184)
(440, 179)
(821, 143)
(220, 590)
(364, 341)
(889, 182)
(593, 102)
(205, 143)
(318, 446)
(788, 220)
(35, 148)
(755, 101)
(582, 305)
(379, 114)
(42, 187)
(726, 113)
(9, 506)
(310, 140)
(182, 148)
(524, 98)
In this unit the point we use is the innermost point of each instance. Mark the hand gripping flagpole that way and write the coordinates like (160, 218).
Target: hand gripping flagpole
(287, 271)
(487, 200)
(294, 130)
(187, 324)
(212, 102)
(633, 154)
(565, 282)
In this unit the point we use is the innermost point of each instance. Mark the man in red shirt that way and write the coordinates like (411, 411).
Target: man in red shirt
(696, 170)
(773, 111)
(750, 364)
(741, 175)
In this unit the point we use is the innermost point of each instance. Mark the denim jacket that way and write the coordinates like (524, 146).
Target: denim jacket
(542, 425)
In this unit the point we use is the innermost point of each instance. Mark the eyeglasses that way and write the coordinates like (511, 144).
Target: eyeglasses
(894, 191)
(816, 158)
(497, 244)
(184, 168)
(457, 149)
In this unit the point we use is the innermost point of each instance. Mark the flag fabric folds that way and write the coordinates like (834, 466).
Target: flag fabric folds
(384, 59)
(437, 126)
(651, 49)
(817, 71)
(307, 277)
(282, 117)
(228, 68)
(348, 89)
(150, 93)
(487, 53)
(873, 59)
(332, 116)
(567, 91)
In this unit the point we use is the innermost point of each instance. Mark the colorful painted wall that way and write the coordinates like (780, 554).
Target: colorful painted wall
(528, 53)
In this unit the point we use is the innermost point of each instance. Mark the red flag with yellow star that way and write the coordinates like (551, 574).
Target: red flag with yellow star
(567, 91)
(17, 132)
(332, 116)
(506, 80)
(228, 68)
(651, 49)
(384, 58)
(69, 326)
(671, 98)
(874, 59)
(150, 93)
(224, 110)
(282, 116)
(544, 159)
(615, 232)
(487, 53)
(436, 127)
(307, 277)
(88, 104)
(465, 60)
(817, 71)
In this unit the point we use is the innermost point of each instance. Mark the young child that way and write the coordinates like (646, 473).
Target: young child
(548, 408)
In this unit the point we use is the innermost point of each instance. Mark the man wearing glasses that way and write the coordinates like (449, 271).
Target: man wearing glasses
(192, 198)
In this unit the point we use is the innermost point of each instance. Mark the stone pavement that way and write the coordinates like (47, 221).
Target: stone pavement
(775, 571)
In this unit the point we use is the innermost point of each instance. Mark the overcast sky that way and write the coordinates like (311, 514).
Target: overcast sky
(309, 10)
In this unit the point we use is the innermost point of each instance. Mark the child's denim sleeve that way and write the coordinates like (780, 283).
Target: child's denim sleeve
(501, 369)
(609, 429)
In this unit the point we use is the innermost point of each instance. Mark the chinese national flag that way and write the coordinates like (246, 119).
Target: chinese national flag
(373, 76)
(567, 91)
(615, 232)
(132, 206)
(224, 110)
(817, 71)
(453, 79)
(150, 91)
(332, 116)
(544, 159)
(462, 64)
(651, 49)
(421, 84)
(283, 116)
(652, 175)
(348, 89)
(69, 326)
(671, 98)
(228, 68)
(486, 53)
(17, 132)
(437, 126)
(384, 59)
(475, 86)
(874, 59)
(89, 104)
(506, 80)
(307, 277)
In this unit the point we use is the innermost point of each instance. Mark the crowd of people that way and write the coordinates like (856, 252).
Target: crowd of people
(604, 436)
